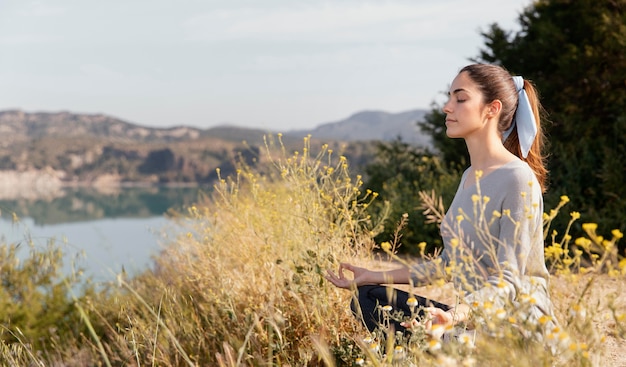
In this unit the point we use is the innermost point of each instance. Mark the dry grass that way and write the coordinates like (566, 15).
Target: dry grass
(244, 286)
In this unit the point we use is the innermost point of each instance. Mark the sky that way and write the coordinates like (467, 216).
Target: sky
(273, 64)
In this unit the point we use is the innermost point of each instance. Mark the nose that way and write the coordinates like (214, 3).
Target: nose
(446, 107)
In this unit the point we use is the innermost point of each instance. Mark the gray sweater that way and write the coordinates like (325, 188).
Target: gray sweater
(493, 241)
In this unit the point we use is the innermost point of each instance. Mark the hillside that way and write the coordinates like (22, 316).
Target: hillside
(374, 125)
(41, 152)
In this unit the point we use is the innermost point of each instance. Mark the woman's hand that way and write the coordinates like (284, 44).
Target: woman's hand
(359, 277)
(457, 314)
(439, 316)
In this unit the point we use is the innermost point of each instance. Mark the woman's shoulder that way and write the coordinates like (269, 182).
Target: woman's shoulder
(517, 175)
(515, 169)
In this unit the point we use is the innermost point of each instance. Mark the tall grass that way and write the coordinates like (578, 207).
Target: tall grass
(243, 285)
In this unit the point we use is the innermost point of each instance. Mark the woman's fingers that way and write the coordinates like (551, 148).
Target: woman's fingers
(339, 279)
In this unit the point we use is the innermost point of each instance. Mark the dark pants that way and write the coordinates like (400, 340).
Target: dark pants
(370, 298)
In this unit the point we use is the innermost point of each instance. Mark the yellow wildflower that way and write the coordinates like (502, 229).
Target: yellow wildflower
(590, 227)
(386, 246)
(617, 234)
(575, 215)
(564, 199)
(544, 319)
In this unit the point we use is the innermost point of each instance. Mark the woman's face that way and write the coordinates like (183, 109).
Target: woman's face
(465, 110)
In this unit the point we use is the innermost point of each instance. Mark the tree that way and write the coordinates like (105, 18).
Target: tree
(398, 173)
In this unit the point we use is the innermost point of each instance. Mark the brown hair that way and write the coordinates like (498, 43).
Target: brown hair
(495, 82)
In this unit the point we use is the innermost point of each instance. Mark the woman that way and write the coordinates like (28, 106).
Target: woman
(493, 230)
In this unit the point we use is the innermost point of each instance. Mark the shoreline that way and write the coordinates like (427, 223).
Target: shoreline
(49, 184)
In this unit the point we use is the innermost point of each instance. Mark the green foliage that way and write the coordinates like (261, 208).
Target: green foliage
(575, 52)
(398, 173)
(34, 297)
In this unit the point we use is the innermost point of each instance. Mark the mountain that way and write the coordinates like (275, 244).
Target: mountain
(18, 126)
(373, 125)
(45, 151)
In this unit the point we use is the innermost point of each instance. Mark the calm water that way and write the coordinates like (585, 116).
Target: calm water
(101, 233)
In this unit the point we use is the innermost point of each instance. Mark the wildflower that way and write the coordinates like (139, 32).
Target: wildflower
(386, 246)
(475, 198)
(454, 242)
(564, 340)
(500, 313)
(398, 352)
(436, 331)
(434, 345)
(590, 227)
(411, 302)
(359, 361)
(544, 319)
(479, 174)
(374, 347)
(466, 339)
(486, 199)
(496, 214)
(564, 199)
(459, 218)
(387, 308)
(577, 311)
(575, 215)
(617, 234)
(368, 340)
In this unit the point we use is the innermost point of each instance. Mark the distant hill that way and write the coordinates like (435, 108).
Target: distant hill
(374, 125)
(18, 126)
(44, 151)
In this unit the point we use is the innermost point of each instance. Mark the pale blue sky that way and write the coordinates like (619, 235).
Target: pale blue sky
(275, 64)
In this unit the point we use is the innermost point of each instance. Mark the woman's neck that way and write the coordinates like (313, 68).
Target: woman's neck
(487, 153)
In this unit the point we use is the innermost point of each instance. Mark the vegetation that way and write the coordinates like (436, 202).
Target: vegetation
(398, 172)
(243, 285)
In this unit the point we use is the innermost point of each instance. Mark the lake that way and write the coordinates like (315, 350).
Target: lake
(100, 232)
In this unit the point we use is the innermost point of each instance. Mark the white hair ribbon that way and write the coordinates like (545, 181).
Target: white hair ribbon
(524, 119)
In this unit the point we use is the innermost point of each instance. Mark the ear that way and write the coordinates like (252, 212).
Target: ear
(494, 108)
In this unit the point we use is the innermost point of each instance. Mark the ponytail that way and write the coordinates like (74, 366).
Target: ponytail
(535, 158)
